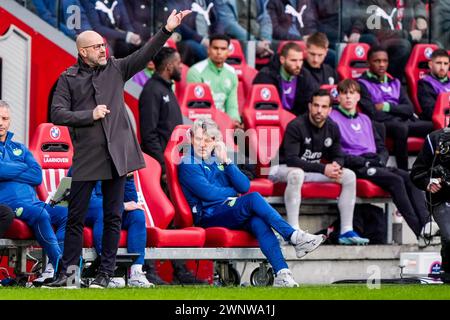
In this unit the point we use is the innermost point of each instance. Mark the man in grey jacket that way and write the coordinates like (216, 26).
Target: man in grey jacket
(89, 100)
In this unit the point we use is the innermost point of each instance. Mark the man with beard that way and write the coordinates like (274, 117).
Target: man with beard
(295, 84)
(89, 99)
(434, 83)
(311, 152)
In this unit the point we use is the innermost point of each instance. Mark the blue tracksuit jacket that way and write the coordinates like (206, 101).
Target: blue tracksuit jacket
(207, 184)
(19, 172)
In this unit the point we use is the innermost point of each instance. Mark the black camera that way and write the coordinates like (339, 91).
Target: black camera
(444, 146)
(440, 172)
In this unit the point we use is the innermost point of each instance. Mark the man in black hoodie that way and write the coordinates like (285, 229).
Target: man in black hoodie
(159, 111)
(295, 84)
(311, 152)
(317, 49)
(159, 114)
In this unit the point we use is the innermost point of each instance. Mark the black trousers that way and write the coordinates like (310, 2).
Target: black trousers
(409, 200)
(399, 130)
(6, 218)
(80, 194)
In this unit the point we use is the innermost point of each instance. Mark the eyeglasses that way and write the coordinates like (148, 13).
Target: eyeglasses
(96, 47)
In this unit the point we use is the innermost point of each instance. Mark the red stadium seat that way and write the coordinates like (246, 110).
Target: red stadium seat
(52, 148)
(353, 61)
(198, 103)
(265, 118)
(265, 113)
(332, 89)
(269, 120)
(215, 237)
(245, 73)
(366, 189)
(159, 212)
(414, 144)
(19, 230)
(441, 107)
(416, 69)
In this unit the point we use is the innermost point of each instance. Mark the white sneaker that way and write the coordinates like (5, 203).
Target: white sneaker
(138, 279)
(430, 229)
(45, 277)
(284, 279)
(116, 282)
(304, 242)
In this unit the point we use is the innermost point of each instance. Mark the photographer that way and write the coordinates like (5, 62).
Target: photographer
(431, 172)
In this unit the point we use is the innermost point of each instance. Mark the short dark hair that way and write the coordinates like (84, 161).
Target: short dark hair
(162, 58)
(321, 93)
(439, 53)
(219, 36)
(318, 39)
(348, 84)
(374, 49)
(290, 46)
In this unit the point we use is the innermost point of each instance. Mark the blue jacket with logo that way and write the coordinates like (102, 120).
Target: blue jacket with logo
(19, 172)
(207, 184)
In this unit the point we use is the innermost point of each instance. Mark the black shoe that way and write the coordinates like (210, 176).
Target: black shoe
(155, 279)
(445, 277)
(101, 281)
(60, 282)
(92, 270)
(152, 275)
(182, 275)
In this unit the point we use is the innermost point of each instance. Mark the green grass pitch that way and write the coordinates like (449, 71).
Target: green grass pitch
(305, 292)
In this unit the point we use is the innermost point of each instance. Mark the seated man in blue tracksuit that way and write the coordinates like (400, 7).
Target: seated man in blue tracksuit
(19, 175)
(133, 220)
(211, 184)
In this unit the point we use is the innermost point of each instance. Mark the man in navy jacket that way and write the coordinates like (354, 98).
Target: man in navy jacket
(211, 184)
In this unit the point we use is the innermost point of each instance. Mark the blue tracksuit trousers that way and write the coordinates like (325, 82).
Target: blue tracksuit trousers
(41, 220)
(251, 212)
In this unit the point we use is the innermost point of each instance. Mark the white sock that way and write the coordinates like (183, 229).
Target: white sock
(347, 199)
(292, 197)
(284, 269)
(136, 268)
(49, 268)
(295, 234)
